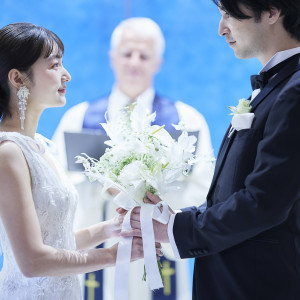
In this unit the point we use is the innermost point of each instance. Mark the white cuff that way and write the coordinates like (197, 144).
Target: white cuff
(171, 236)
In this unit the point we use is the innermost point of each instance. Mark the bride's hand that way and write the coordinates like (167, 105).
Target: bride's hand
(113, 226)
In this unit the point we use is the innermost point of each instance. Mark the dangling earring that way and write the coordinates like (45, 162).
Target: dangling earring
(22, 94)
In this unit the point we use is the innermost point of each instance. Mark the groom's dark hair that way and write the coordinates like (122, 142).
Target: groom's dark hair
(290, 10)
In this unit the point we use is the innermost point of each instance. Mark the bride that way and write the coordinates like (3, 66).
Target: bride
(42, 255)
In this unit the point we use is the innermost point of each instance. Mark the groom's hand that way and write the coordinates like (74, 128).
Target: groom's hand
(160, 230)
(154, 199)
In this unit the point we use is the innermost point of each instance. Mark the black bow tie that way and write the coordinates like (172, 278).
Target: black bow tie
(259, 81)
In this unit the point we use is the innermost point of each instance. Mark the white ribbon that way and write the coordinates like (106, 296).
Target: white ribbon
(148, 212)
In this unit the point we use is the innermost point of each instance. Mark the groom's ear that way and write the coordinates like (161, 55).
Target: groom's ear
(273, 15)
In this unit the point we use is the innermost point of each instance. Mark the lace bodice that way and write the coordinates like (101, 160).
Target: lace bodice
(55, 201)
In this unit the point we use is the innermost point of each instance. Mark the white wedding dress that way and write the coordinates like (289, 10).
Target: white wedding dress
(55, 201)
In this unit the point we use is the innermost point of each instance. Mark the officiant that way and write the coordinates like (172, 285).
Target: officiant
(137, 47)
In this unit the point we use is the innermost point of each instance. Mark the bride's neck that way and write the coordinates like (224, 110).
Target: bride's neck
(12, 125)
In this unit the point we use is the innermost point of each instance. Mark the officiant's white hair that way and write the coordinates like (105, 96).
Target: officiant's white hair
(144, 27)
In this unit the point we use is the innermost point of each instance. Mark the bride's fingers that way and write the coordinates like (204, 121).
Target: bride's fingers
(120, 219)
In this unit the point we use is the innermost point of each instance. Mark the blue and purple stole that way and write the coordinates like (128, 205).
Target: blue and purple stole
(166, 114)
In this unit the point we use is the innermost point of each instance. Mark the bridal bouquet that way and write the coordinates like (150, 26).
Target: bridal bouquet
(141, 157)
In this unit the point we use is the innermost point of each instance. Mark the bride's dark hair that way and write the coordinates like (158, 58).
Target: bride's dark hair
(21, 45)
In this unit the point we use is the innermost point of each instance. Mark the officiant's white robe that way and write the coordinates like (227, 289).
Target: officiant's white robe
(93, 202)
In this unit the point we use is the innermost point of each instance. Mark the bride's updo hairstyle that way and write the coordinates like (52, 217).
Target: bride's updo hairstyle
(21, 45)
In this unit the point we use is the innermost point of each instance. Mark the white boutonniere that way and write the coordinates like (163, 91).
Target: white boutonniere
(242, 116)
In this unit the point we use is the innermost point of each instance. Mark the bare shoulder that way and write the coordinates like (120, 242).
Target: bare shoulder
(11, 156)
(9, 150)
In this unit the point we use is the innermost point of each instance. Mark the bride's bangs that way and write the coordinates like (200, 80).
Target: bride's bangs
(52, 45)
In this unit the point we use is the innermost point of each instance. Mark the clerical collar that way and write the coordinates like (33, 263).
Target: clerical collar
(279, 57)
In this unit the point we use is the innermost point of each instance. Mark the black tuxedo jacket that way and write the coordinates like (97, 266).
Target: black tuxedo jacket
(246, 243)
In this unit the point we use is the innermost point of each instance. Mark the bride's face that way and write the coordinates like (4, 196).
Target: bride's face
(47, 86)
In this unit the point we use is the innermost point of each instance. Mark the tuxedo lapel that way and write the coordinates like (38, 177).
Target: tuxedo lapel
(223, 141)
(226, 143)
(286, 71)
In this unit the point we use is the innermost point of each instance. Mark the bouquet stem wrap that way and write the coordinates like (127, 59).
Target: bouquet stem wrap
(148, 212)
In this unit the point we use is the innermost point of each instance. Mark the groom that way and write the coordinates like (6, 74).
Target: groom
(246, 243)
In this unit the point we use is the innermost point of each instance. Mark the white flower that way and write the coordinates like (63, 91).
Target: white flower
(141, 118)
(180, 126)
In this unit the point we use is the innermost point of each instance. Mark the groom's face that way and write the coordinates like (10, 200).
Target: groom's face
(246, 36)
